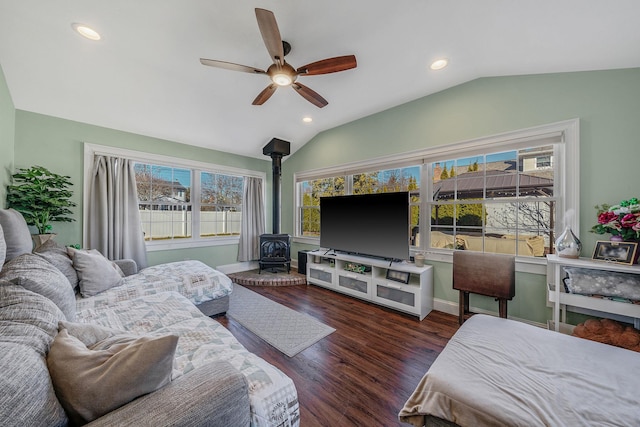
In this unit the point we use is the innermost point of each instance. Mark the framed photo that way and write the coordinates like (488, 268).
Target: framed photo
(620, 252)
(398, 276)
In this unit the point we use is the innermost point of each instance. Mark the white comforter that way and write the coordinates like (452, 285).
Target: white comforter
(498, 372)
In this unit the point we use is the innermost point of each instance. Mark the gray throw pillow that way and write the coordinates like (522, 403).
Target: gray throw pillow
(39, 276)
(16, 233)
(3, 247)
(90, 383)
(57, 255)
(95, 272)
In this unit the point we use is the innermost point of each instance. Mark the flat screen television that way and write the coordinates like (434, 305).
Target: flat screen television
(368, 224)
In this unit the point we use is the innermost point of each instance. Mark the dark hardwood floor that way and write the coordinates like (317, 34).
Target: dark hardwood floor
(362, 374)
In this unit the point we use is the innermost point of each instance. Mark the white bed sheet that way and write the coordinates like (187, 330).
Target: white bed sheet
(499, 372)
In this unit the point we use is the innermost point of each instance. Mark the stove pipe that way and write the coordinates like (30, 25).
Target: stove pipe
(276, 149)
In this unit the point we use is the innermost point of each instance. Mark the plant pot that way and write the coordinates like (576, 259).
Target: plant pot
(39, 239)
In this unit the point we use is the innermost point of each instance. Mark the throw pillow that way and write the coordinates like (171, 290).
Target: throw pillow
(95, 272)
(16, 233)
(57, 255)
(91, 383)
(39, 276)
(3, 247)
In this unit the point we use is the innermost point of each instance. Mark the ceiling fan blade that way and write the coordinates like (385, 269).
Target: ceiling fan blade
(265, 94)
(310, 95)
(271, 35)
(231, 66)
(329, 65)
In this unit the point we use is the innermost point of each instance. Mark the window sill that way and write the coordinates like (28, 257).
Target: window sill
(523, 264)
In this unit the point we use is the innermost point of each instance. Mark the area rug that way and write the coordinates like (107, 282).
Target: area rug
(268, 278)
(285, 329)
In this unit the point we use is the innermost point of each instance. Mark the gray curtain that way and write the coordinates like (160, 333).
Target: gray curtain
(114, 226)
(252, 220)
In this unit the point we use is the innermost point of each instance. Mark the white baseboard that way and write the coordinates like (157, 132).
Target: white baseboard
(239, 266)
(450, 307)
(248, 265)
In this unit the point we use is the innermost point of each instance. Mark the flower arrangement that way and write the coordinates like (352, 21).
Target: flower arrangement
(619, 220)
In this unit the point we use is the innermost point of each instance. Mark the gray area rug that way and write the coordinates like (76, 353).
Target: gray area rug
(283, 328)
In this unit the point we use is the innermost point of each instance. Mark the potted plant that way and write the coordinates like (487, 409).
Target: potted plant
(41, 197)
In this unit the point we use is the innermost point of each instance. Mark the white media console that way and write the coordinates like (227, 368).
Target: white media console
(372, 279)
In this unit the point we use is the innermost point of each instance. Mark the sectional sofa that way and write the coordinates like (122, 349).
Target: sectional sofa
(81, 342)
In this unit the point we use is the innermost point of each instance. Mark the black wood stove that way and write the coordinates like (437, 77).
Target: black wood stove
(275, 249)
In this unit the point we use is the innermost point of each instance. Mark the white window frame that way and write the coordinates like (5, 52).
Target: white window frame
(91, 150)
(566, 182)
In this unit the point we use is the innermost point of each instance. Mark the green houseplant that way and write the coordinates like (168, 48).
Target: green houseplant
(41, 197)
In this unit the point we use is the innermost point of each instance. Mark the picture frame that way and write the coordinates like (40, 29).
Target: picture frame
(398, 276)
(618, 252)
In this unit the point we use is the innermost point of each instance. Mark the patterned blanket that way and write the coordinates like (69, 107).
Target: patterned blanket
(273, 395)
(193, 279)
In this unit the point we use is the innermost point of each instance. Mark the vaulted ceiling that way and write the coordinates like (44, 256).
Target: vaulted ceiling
(144, 75)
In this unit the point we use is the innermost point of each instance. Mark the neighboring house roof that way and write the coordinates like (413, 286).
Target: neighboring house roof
(498, 184)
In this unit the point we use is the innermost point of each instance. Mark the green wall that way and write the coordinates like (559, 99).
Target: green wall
(57, 144)
(7, 132)
(606, 102)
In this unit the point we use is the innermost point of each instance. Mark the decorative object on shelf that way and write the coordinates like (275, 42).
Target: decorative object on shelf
(419, 259)
(356, 268)
(398, 276)
(616, 251)
(621, 220)
(42, 197)
(568, 245)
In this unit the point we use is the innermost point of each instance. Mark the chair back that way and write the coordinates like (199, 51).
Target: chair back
(485, 273)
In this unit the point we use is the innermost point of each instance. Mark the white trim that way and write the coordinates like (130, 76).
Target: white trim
(237, 267)
(160, 159)
(452, 308)
(91, 150)
(502, 140)
(565, 132)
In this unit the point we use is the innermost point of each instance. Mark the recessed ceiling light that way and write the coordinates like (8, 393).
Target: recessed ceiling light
(85, 31)
(439, 64)
(307, 119)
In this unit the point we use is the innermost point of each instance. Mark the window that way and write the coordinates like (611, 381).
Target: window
(503, 194)
(220, 204)
(493, 203)
(309, 202)
(379, 181)
(183, 203)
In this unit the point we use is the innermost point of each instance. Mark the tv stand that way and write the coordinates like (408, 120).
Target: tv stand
(335, 271)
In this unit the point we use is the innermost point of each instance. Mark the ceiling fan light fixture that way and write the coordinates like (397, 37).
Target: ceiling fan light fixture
(439, 64)
(86, 31)
(282, 79)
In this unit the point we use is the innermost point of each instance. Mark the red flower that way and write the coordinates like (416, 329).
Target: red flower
(606, 217)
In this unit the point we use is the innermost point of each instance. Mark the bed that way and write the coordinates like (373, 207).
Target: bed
(499, 372)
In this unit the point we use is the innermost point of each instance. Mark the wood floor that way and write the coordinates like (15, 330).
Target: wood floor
(362, 374)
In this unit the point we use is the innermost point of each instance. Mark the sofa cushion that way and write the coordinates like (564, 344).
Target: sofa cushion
(95, 272)
(28, 397)
(16, 233)
(3, 247)
(57, 255)
(37, 275)
(27, 318)
(91, 383)
(28, 325)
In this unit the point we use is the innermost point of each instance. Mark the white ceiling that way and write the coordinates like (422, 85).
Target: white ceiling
(145, 77)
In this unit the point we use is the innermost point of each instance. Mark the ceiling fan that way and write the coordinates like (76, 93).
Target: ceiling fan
(280, 72)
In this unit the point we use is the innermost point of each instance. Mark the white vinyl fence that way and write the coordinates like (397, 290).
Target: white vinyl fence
(158, 225)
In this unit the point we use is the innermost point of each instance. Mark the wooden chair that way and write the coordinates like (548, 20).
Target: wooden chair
(483, 274)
